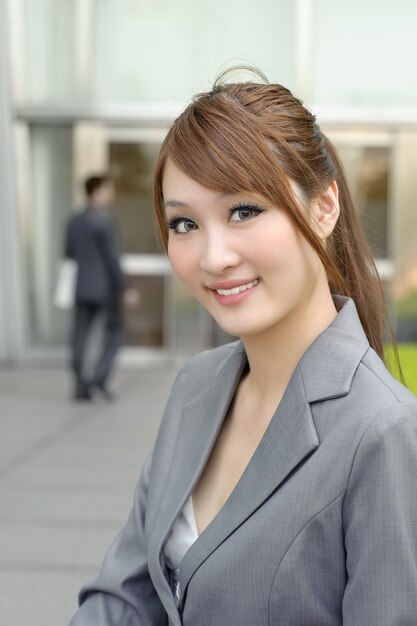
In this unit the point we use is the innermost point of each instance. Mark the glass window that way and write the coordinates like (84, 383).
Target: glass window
(361, 53)
(405, 234)
(50, 207)
(131, 166)
(144, 326)
(161, 50)
(49, 39)
(368, 172)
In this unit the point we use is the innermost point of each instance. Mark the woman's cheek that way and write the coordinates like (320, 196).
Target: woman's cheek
(271, 249)
(174, 257)
(181, 261)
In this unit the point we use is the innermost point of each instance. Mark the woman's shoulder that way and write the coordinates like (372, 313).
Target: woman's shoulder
(379, 401)
(374, 373)
(374, 403)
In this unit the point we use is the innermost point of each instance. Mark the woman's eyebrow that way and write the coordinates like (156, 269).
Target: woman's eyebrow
(179, 204)
(176, 204)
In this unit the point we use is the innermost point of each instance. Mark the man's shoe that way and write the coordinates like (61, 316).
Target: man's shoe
(83, 395)
(108, 395)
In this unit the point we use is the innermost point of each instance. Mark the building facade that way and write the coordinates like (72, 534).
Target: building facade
(90, 85)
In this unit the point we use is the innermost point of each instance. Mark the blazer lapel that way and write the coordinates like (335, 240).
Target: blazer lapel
(289, 438)
(200, 423)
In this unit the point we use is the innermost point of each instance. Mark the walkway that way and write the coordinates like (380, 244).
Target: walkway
(67, 474)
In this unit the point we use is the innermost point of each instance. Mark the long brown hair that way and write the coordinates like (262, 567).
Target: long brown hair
(256, 137)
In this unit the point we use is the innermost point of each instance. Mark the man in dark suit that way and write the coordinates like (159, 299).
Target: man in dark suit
(91, 242)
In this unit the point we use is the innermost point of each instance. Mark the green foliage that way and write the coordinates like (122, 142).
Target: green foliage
(408, 359)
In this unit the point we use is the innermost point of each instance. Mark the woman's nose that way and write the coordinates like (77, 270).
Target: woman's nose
(218, 253)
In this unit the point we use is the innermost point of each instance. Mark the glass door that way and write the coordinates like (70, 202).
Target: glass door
(129, 156)
(131, 164)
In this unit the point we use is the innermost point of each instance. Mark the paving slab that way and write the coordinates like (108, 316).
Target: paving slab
(42, 597)
(67, 475)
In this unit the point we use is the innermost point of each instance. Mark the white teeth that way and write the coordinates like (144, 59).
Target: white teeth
(235, 290)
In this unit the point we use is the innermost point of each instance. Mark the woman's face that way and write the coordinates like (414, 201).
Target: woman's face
(242, 258)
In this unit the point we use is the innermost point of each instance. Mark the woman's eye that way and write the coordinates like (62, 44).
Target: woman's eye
(244, 213)
(181, 225)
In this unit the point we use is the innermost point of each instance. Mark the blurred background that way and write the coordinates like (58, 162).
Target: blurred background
(91, 85)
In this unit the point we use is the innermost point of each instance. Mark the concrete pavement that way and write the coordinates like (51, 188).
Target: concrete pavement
(67, 474)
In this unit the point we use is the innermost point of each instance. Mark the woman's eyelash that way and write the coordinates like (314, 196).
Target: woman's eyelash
(246, 205)
(173, 222)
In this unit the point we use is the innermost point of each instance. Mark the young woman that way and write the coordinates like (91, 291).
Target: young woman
(282, 488)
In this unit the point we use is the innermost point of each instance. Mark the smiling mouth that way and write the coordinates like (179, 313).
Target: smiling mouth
(239, 289)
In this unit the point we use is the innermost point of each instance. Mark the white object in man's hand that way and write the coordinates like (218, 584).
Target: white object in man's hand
(132, 298)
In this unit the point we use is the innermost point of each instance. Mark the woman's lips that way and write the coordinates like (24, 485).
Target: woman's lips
(235, 290)
(234, 293)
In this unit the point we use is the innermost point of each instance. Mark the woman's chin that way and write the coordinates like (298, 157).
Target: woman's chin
(247, 329)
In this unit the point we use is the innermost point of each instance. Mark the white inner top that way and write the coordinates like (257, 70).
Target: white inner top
(183, 534)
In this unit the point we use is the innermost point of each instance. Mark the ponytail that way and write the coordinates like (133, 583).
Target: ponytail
(352, 256)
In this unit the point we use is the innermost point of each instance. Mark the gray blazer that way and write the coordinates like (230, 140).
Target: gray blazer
(321, 529)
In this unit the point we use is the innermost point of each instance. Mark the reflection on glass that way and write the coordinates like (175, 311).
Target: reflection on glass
(405, 233)
(131, 166)
(368, 173)
(144, 325)
(50, 208)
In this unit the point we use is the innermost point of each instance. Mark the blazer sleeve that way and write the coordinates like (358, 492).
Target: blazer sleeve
(123, 592)
(380, 524)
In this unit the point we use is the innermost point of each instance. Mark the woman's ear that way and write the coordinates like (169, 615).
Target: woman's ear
(326, 211)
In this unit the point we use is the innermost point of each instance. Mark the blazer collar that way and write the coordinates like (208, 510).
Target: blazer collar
(325, 371)
(329, 364)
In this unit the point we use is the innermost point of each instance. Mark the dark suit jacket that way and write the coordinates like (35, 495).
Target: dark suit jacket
(91, 242)
(321, 529)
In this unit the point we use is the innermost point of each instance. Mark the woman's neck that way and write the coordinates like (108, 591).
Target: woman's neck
(274, 354)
